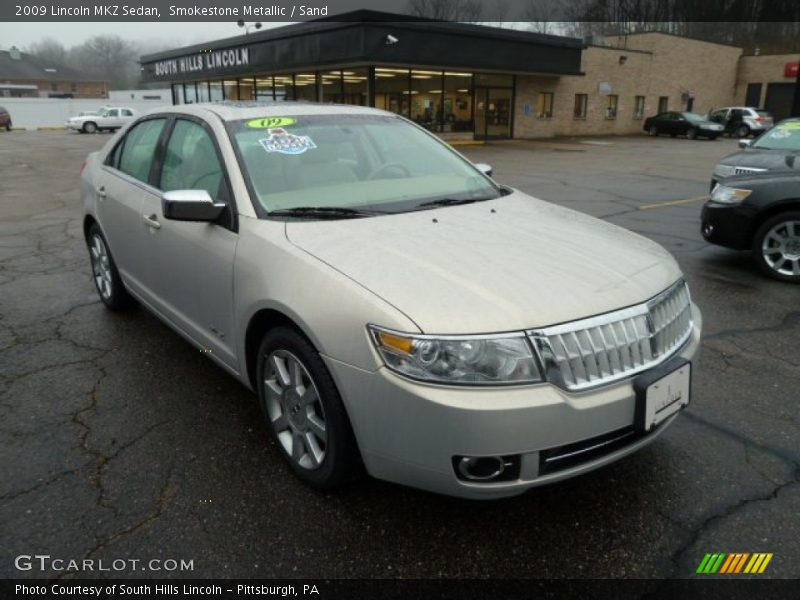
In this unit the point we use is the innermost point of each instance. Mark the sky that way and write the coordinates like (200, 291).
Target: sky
(171, 35)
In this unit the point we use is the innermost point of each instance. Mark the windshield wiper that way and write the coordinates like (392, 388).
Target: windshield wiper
(324, 212)
(452, 201)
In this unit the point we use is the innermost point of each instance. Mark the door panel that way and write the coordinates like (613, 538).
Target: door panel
(121, 188)
(190, 265)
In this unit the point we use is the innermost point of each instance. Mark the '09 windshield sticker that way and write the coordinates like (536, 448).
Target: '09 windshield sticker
(790, 126)
(271, 122)
(282, 141)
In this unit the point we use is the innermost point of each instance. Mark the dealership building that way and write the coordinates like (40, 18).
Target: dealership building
(476, 82)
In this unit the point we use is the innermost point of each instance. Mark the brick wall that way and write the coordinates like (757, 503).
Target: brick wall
(764, 69)
(654, 65)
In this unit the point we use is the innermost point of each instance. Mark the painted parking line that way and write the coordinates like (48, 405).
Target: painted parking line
(672, 202)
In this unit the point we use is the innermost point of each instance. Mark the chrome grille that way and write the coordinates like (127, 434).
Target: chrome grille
(615, 345)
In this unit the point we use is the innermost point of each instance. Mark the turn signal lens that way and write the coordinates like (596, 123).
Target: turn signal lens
(395, 342)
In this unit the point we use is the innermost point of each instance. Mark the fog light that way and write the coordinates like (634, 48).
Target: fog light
(708, 230)
(486, 468)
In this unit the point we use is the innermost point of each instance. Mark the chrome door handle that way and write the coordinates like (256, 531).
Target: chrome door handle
(100, 191)
(152, 221)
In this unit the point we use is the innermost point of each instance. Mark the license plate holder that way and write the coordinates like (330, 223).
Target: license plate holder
(662, 392)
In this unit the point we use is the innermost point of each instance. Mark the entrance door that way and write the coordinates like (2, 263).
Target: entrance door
(493, 113)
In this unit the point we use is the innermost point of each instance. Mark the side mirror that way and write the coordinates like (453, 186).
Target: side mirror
(744, 143)
(485, 169)
(190, 205)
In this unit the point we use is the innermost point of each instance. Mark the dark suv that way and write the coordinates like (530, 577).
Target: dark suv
(759, 212)
(5, 119)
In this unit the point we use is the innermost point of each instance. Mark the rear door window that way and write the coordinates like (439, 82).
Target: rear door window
(139, 148)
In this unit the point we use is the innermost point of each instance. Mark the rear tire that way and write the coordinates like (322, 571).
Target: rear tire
(106, 278)
(742, 131)
(776, 247)
(653, 131)
(303, 410)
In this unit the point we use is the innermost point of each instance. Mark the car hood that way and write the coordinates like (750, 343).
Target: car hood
(501, 265)
(763, 159)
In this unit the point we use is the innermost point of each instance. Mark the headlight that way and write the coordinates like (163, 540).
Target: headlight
(475, 360)
(724, 170)
(723, 194)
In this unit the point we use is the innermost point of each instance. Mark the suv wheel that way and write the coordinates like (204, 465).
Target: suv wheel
(742, 131)
(776, 247)
(104, 272)
(89, 127)
(304, 411)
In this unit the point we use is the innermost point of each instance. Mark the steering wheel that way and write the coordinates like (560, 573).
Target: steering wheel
(386, 166)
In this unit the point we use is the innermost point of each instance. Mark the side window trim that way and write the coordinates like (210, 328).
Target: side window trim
(228, 199)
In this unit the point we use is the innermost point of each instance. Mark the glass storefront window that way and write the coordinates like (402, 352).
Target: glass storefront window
(457, 108)
(230, 89)
(355, 87)
(202, 91)
(215, 93)
(305, 87)
(284, 87)
(190, 93)
(426, 99)
(331, 82)
(246, 91)
(392, 90)
(263, 89)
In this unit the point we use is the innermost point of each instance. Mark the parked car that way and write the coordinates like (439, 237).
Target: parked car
(5, 119)
(389, 302)
(107, 119)
(776, 149)
(741, 121)
(682, 123)
(761, 213)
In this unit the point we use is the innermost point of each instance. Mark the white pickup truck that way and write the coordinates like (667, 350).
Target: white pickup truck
(108, 118)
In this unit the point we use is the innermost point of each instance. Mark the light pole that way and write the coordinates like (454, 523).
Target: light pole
(247, 27)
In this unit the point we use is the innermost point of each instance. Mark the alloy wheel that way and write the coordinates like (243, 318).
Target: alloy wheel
(295, 409)
(101, 267)
(781, 248)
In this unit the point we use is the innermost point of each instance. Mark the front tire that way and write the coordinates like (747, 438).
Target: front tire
(106, 278)
(304, 411)
(692, 134)
(653, 131)
(89, 127)
(776, 247)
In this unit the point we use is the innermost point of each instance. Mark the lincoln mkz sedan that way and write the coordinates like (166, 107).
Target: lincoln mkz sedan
(396, 310)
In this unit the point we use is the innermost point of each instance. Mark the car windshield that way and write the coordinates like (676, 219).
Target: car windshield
(89, 113)
(784, 136)
(693, 116)
(364, 162)
(103, 112)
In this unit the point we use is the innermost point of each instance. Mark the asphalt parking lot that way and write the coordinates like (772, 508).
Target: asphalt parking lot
(121, 441)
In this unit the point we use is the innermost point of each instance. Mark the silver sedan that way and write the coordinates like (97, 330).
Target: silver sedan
(396, 309)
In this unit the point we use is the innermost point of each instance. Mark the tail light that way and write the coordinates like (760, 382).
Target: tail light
(761, 119)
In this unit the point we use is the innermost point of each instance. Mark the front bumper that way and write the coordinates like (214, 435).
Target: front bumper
(409, 432)
(73, 125)
(725, 225)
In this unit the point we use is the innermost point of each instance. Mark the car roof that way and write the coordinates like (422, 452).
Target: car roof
(233, 111)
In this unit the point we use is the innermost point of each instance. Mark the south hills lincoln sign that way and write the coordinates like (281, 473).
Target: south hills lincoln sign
(203, 62)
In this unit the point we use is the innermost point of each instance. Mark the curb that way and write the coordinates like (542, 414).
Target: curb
(62, 128)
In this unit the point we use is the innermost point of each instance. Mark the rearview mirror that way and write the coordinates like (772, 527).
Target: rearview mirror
(485, 169)
(190, 205)
(744, 143)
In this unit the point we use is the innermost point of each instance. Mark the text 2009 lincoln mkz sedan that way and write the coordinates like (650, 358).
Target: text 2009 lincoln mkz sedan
(391, 304)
